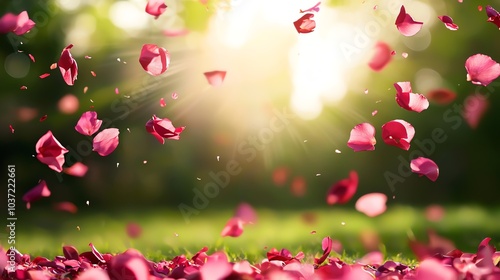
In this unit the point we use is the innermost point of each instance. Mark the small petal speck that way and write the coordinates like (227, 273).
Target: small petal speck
(197, 178)
(317, 175)
(218, 157)
(343, 223)
(88, 202)
(117, 164)
(337, 151)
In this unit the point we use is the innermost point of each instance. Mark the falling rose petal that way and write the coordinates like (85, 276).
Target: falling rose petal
(314, 8)
(424, 166)
(280, 176)
(480, 8)
(448, 22)
(93, 73)
(404, 55)
(381, 56)
(246, 213)
(88, 57)
(68, 66)
(154, 60)
(88, 124)
(475, 106)
(134, 230)
(374, 113)
(372, 204)
(53, 66)
(85, 89)
(326, 245)
(24, 87)
(175, 95)
(18, 24)
(37, 192)
(68, 104)
(175, 32)
(50, 151)
(481, 69)
(31, 57)
(44, 75)
(398, 133)
(362, 138)
(117, 91)
(298, 186)
(305, 24)
(66, 206)
(78, 170)
(493, 16)
(11, 128)
(393, 53)
(156, 7)
(408, 100)
(233, 228)
(163, 129)
(43, 118)
(406, 25)
(215, 78)
(106, 141)
(342, 191)
(441, 96)
(162, 102)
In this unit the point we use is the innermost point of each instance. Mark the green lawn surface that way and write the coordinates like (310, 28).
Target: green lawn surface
(166, 234)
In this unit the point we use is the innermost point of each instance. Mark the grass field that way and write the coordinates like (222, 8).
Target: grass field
(165, 234)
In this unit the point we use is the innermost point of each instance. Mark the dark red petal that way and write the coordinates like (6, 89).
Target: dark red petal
(342, 191)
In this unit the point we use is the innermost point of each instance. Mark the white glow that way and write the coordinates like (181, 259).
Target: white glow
(69, 5)
(81, 31)
(128, 16)
(427, 79)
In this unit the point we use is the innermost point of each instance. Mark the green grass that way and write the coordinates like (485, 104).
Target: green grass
(165, 234)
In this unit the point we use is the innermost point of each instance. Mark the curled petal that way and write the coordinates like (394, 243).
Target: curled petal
(106, 141)
(342, 191)
(481, 69)
(406, 25)
(362, 138)
(424, 166)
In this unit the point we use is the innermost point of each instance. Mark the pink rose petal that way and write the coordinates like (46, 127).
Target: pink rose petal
(481, 69)
(305, 24)
(93, 274)
(246, 213)
(217, 267)
(408, 100)
(88, 124)
(134, 230)
(233, 228)
(106, 141)
(78, 170)
(50, 151)
(475, 106)
(18, 24)
(215, 78)
(68, 104)
(381, 56)
(432, 269)
(154, 60)
(448, 22)
(398, 133)
(44, 75)
(362, 138)
(68, 66)
(298, 186)
(37, 192)
(66, 206)
(372, 204)
(156, 7)
(175, 32)
(314, 8)
(406, 25)
(163, 129)
(424, 166)
(162, 102)
(342, 191)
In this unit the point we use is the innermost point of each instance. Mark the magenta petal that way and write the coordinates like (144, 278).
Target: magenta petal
(398, 133)
(432, 269)
(50, 151)
(475, 106)
(106, 141)
(481, 69)
(408, 100)
(246, 213)
(215, 78)
(342, 191)
(493, 16)
(68, 66)
(233, 228)
(23, 24)
(448, 22)
(93, 274)
(163, 129)
(216, 267)
(372, 204)
(362, 138)
(88, 123)
(66, 206)
(425, 166)
(8, 23)
(156, 7)
(406, 25)
(37, 192)
(154, 60)
(381, 57)
(129, 265)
